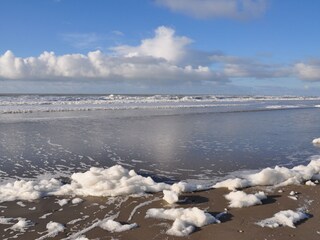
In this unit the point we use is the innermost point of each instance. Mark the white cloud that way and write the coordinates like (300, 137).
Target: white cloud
(93, 65)
(236, 67)
(82, 40)
(237, 9)
(164, 59)
(308, 71)
(117, 33)
(165, 44)
(90, 40)
(154, 61)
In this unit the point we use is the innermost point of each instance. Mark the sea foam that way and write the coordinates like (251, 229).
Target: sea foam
(277, 176)
(239, 199)
(117, 180)
(283, 218)
(185, 219)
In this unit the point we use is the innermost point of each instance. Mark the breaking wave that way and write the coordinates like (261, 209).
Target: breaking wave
(62, 103)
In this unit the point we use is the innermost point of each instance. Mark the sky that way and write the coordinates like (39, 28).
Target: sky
(238, 47)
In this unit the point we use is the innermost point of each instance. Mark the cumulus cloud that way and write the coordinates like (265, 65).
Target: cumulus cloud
(308, 71)
(164, 59)
(94, 65)
(164, 45)
(155, 59)
(236, 9)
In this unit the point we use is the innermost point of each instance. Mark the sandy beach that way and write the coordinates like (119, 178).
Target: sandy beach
(81, 219)
(159, 120)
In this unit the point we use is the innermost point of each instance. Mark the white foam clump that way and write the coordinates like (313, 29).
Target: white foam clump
(4, 220)
(277, 176)
(316, 141)
(310, 183)
(187, 187)
(22, 225)
(239, 199)
(62, 202)
(292, 193)
(27, 190)
(283, 218)
(113, 181)
(82, 238)
(114, 226)
(21, 204)
(170, 196)
(76, 200)
(293, 197)
(53, 229)
(185, 219)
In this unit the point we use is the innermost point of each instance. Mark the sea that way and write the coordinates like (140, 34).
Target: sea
(168, 137)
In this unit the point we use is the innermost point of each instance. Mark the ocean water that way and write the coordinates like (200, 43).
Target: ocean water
(170, 138)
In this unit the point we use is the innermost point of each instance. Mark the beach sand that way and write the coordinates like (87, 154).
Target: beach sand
(238, 223)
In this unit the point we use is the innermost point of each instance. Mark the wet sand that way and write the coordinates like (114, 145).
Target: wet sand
(238, 223)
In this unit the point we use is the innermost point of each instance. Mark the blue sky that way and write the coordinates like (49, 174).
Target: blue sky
(160, 46)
